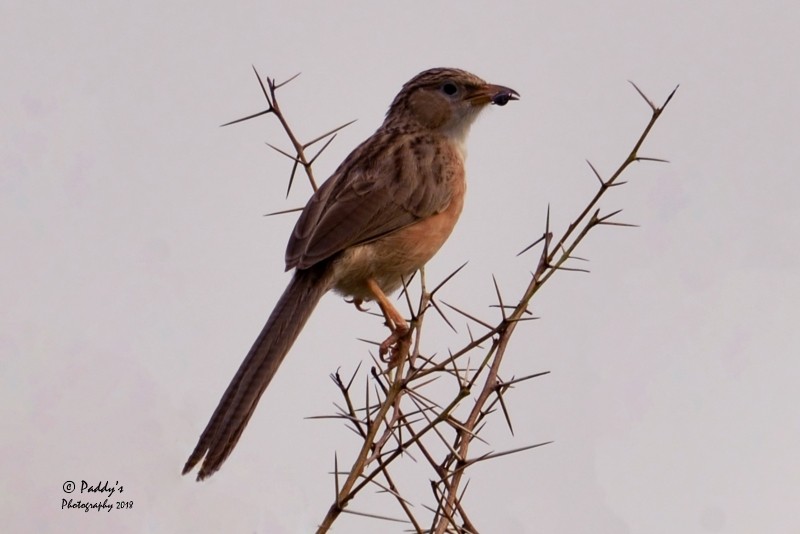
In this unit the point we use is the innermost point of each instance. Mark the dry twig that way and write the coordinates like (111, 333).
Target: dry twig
(398, 419)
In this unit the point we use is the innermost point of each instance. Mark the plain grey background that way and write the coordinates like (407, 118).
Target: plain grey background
(137, 267)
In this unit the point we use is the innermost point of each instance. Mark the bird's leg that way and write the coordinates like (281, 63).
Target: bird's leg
(394, 320)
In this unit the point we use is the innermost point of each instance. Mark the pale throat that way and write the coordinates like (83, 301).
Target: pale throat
(457, 132)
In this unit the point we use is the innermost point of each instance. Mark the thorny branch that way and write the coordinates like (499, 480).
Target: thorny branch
(398, 419)
(299, 159)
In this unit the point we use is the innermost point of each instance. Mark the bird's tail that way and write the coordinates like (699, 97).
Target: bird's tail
(262, 362)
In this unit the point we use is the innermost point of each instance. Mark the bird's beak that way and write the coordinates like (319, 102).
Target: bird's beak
(493, 94)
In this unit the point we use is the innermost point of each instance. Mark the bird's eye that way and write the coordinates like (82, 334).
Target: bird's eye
(450, 88)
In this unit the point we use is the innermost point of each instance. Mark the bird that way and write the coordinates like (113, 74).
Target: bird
(384, 212)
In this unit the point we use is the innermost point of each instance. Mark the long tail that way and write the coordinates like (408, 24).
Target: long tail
(254, 375)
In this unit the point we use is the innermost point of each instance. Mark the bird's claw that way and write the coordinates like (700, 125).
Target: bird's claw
(393, 345)
(358, 303)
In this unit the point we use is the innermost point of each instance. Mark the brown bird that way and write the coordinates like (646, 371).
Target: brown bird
(382, 215)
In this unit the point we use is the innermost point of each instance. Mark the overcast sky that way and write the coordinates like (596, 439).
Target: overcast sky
(137, 266)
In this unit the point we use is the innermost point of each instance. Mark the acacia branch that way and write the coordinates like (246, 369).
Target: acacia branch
(396, 419)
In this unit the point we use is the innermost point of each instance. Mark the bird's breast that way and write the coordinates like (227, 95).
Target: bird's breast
(396, 256)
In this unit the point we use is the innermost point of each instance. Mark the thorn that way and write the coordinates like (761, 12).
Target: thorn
(254, 115)
(600, 179)
(323, 136)
(276, 149)
(499, 298)
(657, 160)
(510, 307)
(448, 278)
(649, 103)
(282, 212)
(526, 249)
(493, 455)
(524, 378)
(352, 378)
(407, 296)
(278, 86)
(313, 159)
(443, 316)
(471, 337)
(336, 476)
(263, 89)
(374, 516)
(547, 225)
(368, 341)
(503, 407)
(627, 225)
(468, 316)
(670, 97)
(521, 319)
(464, 491)
(572, 269)
(605, 217)
(291, 177)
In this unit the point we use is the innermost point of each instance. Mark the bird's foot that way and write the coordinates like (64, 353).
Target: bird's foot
(358, 303)
(396, 344)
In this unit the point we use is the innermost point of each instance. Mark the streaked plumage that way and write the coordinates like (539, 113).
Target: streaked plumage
(381, 216)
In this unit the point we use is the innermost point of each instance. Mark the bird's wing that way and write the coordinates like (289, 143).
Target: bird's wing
(399, 179)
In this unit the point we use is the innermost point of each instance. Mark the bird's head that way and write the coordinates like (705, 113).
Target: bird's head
(445, 100)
